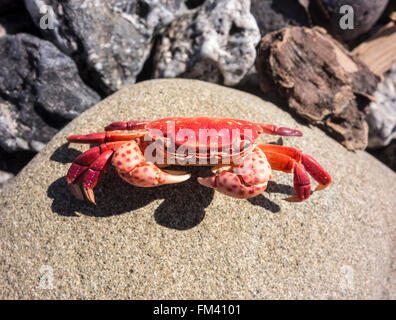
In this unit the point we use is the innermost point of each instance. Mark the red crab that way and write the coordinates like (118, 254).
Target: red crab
(241, 168)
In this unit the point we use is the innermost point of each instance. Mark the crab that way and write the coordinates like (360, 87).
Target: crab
(140, 150)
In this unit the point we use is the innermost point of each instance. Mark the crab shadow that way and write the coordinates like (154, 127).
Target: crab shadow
(183, 206)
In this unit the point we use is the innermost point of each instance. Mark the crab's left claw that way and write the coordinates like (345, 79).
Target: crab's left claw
(132, 167)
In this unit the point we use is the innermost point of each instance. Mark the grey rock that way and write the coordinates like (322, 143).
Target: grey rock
(272, 15)
(5, 177)
(382, 114)
(386, 154)
(366, 14)
(216, 43)
(389, 156)
(40, 91)
(113, 38)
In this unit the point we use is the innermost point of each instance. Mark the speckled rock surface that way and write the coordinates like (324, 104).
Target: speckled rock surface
(215, 43)
(382, 114)
(185, 241)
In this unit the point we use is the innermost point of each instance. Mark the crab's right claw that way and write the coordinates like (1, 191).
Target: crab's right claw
(302, 184)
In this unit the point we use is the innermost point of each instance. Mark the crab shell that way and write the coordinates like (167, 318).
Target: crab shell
(209, 137)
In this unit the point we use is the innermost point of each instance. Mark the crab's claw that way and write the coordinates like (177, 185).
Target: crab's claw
(316, 171)
(294, 161)
(302, 184)
(132, 167)
(244, 181)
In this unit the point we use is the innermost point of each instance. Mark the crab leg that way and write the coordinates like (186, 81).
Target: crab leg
(88, 167)
(134, 169)
(101, 137)
(283, 131)
(288, 159)
(126, 125)
(244, 181)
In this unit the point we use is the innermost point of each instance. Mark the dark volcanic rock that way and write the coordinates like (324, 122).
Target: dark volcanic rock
(40, 91)
(387, 155)
(112, 38)
(17, 22)
(215, 43)
(319, 80)
(7, 6)
(366, 14)
(4, 178)
(272, 15)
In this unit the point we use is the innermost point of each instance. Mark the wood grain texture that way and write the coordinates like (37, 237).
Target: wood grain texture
(319, 80)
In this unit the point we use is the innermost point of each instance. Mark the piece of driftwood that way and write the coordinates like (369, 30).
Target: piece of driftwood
(319, 79)
(379, 51)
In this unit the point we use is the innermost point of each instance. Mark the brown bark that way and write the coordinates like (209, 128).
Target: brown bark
(379, 52)
(318, 79)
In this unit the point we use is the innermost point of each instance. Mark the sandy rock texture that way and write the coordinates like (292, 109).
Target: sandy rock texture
(185, 241)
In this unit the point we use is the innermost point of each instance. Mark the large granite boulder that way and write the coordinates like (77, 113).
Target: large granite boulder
(186, 241)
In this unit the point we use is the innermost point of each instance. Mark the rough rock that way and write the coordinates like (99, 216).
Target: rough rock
(366, 14)
(186, 241)
(216, 42)
(5, 177)
(112, 38)
(40, 91)
(389, 156)
(17, 22)
(386, 154)
(382, 115)
(319, 80)
(272, 15)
